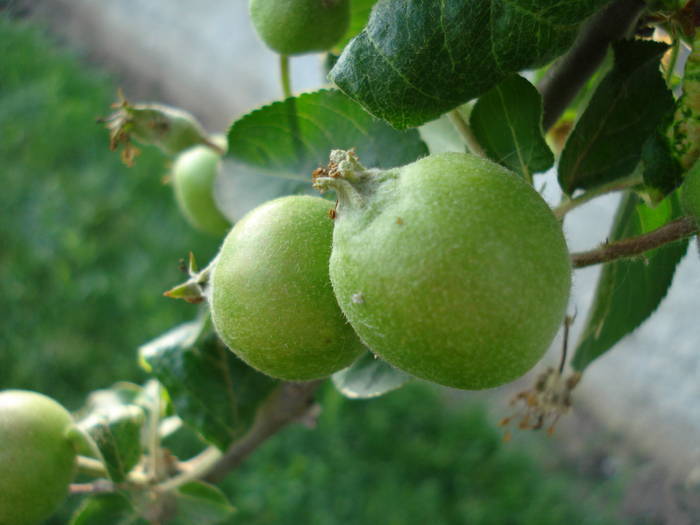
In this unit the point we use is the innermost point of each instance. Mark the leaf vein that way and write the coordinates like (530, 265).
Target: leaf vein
(398, 72)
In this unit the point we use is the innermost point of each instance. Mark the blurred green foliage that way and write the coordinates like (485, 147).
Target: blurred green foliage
(405, 459)
(87, 245)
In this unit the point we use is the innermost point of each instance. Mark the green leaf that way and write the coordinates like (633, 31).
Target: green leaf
(629, 291)
(102, 509)
(507, 122)
(416, 60)
(114, 418)
(201, 503)
(182, 336)
(293, 137)
(369, 377)
(241, 187)
(212, 390)
(273, 150)
(359, 15)
(122, 393)
(628, 106)
(661, 170)
(116, 430)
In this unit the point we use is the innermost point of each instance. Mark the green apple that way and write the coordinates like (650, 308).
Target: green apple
(293, 27)
(193, 174)
(271, 299)
(451, 268)
(37, 456)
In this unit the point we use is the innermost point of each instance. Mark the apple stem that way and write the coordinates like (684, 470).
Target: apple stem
(347, 165)
(465, 131)
(213, 146)
(345, 175)
(285, 77)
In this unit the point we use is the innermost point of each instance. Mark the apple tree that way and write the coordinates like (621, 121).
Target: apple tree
(388, 226)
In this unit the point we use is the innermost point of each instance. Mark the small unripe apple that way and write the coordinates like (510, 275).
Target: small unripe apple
(271, 298)
(37, 456)
(194, 173)
(293, 27)
(451, 268)
(170, 129)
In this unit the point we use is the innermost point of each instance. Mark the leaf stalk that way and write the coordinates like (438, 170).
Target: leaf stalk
(465, 131)
(617, 185)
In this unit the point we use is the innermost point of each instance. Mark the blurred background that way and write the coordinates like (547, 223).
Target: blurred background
(87, 246)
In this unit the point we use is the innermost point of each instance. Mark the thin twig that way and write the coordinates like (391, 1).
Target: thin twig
(568, 321)
(101, 486)
(572, 71)
(154, 451)
(195, 469)
(569, 204)
(289, 403)
(671, 232)
(466, 133)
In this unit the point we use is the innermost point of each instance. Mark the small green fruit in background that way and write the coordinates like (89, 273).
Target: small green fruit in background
(690, 192)
(451, 268)
(194, 173)
(293, 27)
(37, 456)
(170, 129)
(272, 302)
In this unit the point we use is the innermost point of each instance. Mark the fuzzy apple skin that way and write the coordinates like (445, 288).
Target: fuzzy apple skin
(194, 173)
(272, 301)
(294, 27)
(452, 268)
(37, 457)
(690, 192)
